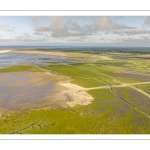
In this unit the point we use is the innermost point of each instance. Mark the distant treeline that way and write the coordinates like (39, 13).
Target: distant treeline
(99, 50)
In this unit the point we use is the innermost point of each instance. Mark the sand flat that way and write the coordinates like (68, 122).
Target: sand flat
(39, 52)
(63, 54)
(4, 51)
(77, 95)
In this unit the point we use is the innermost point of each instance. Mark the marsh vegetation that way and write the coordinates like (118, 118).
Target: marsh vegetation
(75, 93)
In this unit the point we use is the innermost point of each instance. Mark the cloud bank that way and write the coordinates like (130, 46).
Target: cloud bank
(65, 27)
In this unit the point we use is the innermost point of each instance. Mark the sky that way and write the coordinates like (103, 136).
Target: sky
(75, 31)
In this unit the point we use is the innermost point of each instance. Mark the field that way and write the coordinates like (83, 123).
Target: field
(105, 96)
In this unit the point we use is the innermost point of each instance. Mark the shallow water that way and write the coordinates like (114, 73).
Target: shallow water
(17, 89)
(31, 89)
(10, 59)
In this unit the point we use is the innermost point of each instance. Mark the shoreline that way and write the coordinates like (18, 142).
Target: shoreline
(57, 53)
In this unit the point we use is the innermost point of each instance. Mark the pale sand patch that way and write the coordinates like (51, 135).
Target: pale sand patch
(76, 55)
(39, 52)
(5, 51)
(76, 96)
(144, 55)
(71, 86)
(89, 56)
(79, 98)
(102, 57)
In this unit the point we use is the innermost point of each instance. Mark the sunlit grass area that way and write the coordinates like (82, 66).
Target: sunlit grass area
(87, 83)
(79, 71)
(120, 110)
(20, 68)
(144, 87)
(134, 98)
(107, 114)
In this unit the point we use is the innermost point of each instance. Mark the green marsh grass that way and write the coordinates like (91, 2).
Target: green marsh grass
(144, 87)
(135, 98)
(107, 114)
(20, 69)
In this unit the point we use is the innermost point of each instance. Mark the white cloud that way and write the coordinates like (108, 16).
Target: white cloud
(105, 24)
(65, 27)
(10, 30)
(38, 33)
(147, 21)
(133, 32)
(26, 37)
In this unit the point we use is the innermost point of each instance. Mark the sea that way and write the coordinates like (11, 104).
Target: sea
(84, 49)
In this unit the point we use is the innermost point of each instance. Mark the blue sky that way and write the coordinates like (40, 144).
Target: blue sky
(75, 30)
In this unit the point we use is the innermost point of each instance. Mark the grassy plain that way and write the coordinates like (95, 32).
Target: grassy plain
(107, 114)
(134, 98)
